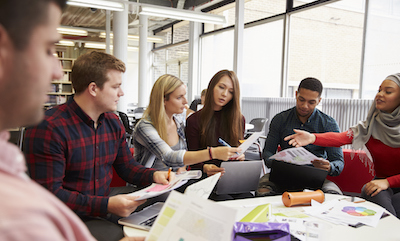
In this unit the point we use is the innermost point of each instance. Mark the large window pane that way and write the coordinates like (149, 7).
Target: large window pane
(382, 49)
(253, 10)
(326, 43)
(262, 52)
(216, 54)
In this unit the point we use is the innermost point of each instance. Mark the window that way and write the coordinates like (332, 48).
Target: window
(382, 50)
(262, 60)
(326, 43)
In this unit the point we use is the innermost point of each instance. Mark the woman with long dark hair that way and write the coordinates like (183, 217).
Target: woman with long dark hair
(219, 118)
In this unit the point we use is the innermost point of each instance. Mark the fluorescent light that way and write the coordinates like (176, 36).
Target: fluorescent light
(101, 4)
(65, 43)
(135, 37)
(182, 14)
(72, 31)
(95, 45)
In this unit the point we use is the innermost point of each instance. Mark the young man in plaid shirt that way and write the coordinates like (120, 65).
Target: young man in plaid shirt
(73, 150)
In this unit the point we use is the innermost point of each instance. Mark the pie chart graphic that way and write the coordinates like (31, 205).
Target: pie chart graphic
(358, 211)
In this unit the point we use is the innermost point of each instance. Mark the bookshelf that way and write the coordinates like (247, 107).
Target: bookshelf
(61, 90)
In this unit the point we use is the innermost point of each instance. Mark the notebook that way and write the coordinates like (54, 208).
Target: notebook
(239, 177)
(292, 177)
(145, 218)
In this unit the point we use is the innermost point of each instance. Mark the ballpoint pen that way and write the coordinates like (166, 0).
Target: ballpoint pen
(224, 143)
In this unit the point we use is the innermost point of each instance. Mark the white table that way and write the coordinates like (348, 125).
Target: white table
(386, 229)
(248, 126)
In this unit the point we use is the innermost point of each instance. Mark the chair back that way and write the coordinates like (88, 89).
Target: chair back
(259, 124)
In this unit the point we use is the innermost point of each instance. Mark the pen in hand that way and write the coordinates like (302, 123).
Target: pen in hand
(225, 144)
(169, 173)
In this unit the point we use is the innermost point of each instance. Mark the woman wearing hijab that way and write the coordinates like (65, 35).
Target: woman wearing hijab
(380, 134)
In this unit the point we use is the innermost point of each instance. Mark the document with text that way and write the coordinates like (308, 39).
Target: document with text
(189, 218)
(295, 155)
(155, 189)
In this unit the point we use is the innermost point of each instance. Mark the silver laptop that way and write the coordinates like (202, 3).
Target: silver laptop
(239, 177)
(145, 218)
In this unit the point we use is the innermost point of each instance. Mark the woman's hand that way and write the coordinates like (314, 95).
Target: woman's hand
(300, 138)
(224, 153)
(376, 186)
(239, 158)
(181, 170)
(212, 169)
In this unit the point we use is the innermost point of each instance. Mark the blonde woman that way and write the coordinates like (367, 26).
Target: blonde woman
(159, 137)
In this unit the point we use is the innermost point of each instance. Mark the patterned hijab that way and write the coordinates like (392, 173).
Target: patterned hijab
(381, 125)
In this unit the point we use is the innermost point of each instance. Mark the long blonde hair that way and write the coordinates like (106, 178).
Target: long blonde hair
(155, 112)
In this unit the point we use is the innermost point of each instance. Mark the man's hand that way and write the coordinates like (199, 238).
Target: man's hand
(322, 164)
(212, 169)
(123, 205)
(161, 177)
(376, 186)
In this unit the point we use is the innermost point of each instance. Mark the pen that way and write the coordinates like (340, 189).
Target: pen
(169, 173)
(224, 143)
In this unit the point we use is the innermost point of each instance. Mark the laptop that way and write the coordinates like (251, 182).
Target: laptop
(239, 177)
(291, 177)
(145, 218)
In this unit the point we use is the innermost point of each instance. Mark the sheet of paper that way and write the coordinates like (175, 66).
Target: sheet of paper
(249, 141)
(345, 212)
(191, 218)
(204, 187)
(155, 189)
(296, 155)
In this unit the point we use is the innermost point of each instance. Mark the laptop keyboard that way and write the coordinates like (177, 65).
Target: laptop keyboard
(149, 222)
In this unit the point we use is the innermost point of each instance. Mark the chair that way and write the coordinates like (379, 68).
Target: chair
(125, 121)
(259, 125)
(137, 114)
(17, 136)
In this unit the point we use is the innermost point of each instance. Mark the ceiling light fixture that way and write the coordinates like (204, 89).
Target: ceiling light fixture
(182, 14)
(72, 31)
(95, 45)
(135, 37)
(65, 43)
(101, 4)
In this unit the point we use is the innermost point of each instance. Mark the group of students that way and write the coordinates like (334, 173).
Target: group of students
(72, 151)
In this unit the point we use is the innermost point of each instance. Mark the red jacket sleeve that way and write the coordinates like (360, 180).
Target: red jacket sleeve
(333, 139)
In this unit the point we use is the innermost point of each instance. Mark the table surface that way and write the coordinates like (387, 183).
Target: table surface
(248, 126)
(386, 229)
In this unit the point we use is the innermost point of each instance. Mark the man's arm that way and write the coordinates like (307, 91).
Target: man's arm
(273, 140)
(45, 152)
